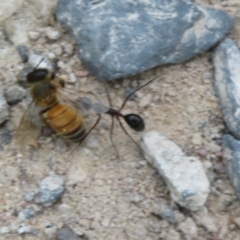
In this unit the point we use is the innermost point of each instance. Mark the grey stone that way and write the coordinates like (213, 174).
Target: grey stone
(14, 94)
(5, 136)
(227, 74)
(184, 176)
(3, 110)
(50, 231)
(27, 230)
(231, 156)
(118, 39)
(23, 52)
(29, 197)
(166, 213)
(50, 190)
(26, 213)
(67, 233)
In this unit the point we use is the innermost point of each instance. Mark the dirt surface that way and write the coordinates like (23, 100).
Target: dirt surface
(113, 198)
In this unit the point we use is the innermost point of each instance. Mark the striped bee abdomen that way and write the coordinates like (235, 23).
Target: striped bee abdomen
(66, 121)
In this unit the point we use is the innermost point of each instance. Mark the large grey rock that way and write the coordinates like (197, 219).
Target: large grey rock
(184, 176)
(117, 39)
(231, 156)
(227, 79)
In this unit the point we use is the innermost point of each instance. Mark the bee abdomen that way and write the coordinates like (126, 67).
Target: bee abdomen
(77, 135)
(67, 122)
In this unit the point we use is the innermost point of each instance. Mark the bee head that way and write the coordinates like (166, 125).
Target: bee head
(38, 75)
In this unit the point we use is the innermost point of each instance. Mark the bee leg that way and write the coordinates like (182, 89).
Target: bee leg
(47, 130)
(61, 83)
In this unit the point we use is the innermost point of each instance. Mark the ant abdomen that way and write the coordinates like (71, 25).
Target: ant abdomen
(135, 122)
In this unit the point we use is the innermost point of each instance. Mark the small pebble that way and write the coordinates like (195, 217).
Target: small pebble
(166, 213)
(72, 78)
(27, 229)
(64, 208)
(14, 94)
(53, 34)
(29, 197)
(3, 110)
(67, 233)
(23, 52)
(5, 135)
(68, 49)
(51, 55)
(50, 189)
(81, 73)
(33, 35)
(219, 167)
(26, 213)
(56, 49)
(50, 231)
(202, 152)
(197, 139)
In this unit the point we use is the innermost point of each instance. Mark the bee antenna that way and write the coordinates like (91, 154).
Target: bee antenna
(131, 94)
(39, 63)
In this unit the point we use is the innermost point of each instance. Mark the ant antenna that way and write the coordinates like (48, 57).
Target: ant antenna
(136, 90)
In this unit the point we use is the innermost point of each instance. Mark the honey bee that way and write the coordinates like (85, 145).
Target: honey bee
(47, 109)
(50, 107)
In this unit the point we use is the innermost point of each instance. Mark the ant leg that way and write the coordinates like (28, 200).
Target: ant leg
(111, 137)
(95, 124)
(125, 131)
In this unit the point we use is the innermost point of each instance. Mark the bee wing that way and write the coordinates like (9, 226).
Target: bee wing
(29, 127)
(88, 104)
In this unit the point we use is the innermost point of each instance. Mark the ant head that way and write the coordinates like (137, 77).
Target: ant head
(135, 122)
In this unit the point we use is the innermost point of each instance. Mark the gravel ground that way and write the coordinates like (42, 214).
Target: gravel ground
(115, 198)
